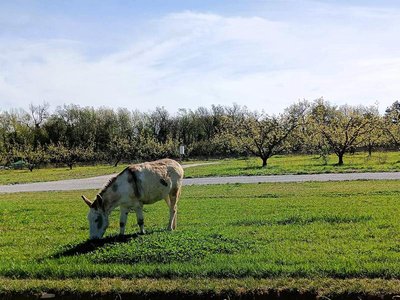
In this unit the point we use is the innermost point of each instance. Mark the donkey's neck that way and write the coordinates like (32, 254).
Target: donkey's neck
(111, 202)
(113, 191)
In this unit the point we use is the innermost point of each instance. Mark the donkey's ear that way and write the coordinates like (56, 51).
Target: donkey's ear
(100, 201)
(87, 201)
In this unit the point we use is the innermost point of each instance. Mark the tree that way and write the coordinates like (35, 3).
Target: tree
(70, 155)
(342, 127)
(263, 135)
(38, 115)
(33, 157)
(375, 131)
(120, 147)
(392, 123)
(159, 122)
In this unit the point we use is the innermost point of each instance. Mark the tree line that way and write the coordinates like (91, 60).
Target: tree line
(73, 134)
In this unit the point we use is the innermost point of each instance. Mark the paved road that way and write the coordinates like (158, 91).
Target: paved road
(98, 182)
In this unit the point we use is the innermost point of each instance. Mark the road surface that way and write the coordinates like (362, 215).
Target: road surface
(99, 182)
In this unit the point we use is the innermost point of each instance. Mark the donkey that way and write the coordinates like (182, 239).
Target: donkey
(135, 186)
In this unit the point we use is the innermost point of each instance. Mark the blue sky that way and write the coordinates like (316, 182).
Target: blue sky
(185, 54)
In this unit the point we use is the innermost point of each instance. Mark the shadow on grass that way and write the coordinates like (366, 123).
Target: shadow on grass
(92, 245)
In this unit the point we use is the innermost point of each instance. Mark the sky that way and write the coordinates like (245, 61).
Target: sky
(265, 55)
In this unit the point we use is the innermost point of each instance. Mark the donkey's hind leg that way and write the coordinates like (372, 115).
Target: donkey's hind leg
(168, 201)
(122, 219)
(139, 216)
(173, 208)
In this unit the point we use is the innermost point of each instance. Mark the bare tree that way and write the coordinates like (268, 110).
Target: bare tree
(343, 127)
(263, 135)
(39, 113)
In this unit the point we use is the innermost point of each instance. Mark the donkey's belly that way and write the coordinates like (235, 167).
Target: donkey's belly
(151, 201)
(155, 195)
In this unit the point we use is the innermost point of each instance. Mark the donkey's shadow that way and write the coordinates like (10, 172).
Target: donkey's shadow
(92, 245)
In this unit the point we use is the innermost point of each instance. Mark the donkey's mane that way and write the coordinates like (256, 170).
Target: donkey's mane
(110, 182)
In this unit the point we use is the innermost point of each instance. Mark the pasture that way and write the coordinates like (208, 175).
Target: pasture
(300, 164)
(308, 237)
(279, 164)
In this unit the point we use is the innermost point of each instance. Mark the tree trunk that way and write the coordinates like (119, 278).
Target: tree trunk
(264, 159)
(340, 162)
(117, 161)
(369, 150)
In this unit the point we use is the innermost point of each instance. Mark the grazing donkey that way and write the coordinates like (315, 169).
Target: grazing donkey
(135, 186)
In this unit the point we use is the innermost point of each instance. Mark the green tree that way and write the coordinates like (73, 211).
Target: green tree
(69, 156)
(38, 115)
(391, 123)
(120, 148)
(375, 132)
(34, 157)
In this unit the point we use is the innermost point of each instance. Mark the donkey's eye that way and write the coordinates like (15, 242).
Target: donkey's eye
(99, 221)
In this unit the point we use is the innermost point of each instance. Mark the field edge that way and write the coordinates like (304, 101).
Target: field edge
(197, 288)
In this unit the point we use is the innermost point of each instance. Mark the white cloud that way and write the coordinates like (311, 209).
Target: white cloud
(190, 59)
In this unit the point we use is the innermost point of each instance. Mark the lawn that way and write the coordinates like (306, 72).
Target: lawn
(293, 236)
(51, 174)
(279, 164)
(300, 164)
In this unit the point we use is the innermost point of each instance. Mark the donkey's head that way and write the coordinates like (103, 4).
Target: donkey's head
(97, 217)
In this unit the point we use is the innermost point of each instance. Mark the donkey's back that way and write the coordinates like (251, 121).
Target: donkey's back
(156, 180)
(153, 181)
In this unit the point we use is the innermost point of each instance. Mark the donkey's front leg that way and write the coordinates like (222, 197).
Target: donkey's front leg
(140, 218)
(122, 219)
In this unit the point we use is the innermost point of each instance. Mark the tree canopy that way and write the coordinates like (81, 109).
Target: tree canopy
(73, 134)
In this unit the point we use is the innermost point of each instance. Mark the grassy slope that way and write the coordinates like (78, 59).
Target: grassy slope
(330, 231)
(288, 164)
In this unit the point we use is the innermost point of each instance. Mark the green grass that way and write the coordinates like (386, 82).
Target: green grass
(51, 174)
(325, 231)
(279, 164)
(300, 164)
(203, 288)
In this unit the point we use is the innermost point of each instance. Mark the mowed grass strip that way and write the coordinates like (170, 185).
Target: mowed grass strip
(201, 288)
(277, 165)
(309, 230)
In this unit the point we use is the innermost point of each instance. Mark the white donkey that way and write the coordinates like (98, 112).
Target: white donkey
(135, 186)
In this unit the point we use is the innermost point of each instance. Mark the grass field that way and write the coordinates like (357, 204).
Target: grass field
(51, 174)
(280, 233)
(279, 164)
(300, 164)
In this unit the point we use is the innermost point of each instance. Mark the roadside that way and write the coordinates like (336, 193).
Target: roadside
(201, 288)
(72, 184)
(99, 181)
(247, 166)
